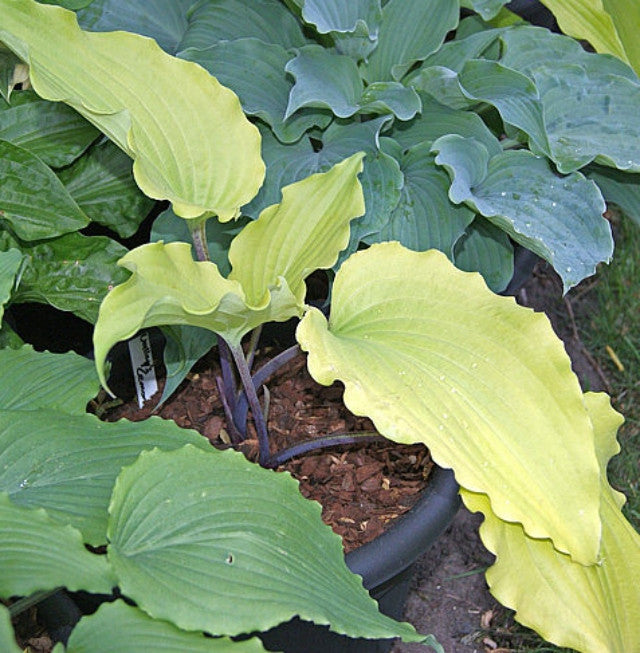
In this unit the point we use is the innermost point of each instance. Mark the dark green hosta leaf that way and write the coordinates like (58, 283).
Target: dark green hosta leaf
(67, 463)
(486, 249)
(437, 120)
(425, 218)
(589, 101)
(353, 26)
(33, 201)
(102, 185)
(10, 262)
(621, 188)
(255, 71)
(118, 627)
(289, 163)
(162, 20)
(72, 273)
(37, 380)
(36, 553)
(51, 130)
(404, 37)
(68, 4)
(7, 639)
(512, 93)
(228, 20)
(187, 543)
(328, 80)
(184, 347)
(559, 218)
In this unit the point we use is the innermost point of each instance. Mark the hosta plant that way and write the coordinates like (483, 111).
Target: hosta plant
(382, 138)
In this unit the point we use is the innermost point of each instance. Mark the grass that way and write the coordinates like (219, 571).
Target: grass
(607, 317)
(612, 334)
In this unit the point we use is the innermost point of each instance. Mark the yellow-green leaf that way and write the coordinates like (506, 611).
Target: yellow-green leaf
(433, 356)
(187, 134)
(304, 232)
(610, 26)
(593, 609)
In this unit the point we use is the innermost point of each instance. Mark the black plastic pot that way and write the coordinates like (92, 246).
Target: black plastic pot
(385, 565)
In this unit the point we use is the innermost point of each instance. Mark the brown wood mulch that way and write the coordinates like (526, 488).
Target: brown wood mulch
(360, 487)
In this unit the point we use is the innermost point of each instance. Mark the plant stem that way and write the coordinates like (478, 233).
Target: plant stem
(254, 402)
(269, 368)
(323, 442)
(230, 389)
(253, 345)
(199, 237)
(234, 433)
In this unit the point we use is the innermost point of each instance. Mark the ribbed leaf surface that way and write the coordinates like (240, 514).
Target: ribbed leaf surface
(431, 355)
(193, 534)
(187, 134)
(37, 553)
(118, 627)
(67, 464)
(590, 609)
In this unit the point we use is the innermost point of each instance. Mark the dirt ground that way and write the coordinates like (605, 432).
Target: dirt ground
(449, 597)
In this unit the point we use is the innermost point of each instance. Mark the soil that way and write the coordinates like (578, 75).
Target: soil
(361, 487)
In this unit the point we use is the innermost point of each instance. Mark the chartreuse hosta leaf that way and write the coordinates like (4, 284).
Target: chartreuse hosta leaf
(186, 546)
(118, 627)
(270, 259)
(609, 25)
(255, 70)
(433, 356)
(7, 639)
(187, 134)
(593, 608)
(37, 553)
(559, 218)
(67, 464)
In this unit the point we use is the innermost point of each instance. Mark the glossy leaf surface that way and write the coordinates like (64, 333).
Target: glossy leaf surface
(187, 134)
(34, 202)
(37, 553)
(101, 183)
(118, 627)
(559, 218)
(431, 355)
(196, 572)
(590, 609)
(72, 272)
(52, 131)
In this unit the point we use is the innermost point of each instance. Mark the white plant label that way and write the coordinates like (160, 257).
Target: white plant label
(144, 373)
